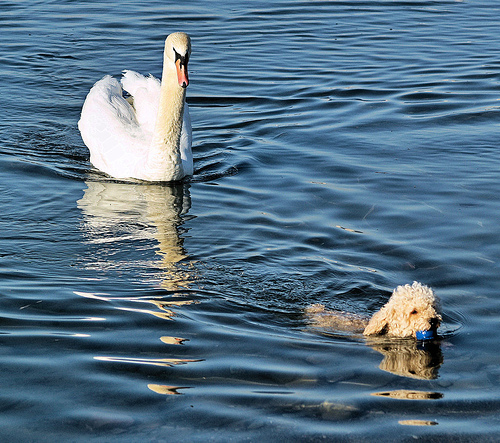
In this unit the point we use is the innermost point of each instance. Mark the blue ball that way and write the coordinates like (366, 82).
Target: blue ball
(425, 335)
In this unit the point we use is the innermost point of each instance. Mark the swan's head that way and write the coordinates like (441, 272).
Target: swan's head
(177, 52)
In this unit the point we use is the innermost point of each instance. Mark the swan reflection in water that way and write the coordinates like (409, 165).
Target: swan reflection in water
(116, 215)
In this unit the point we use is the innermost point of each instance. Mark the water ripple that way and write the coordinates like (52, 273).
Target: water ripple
(341, 148)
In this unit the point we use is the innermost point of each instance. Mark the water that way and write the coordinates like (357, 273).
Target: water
(341, 148)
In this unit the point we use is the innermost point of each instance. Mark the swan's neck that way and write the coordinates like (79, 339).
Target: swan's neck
(164, 159)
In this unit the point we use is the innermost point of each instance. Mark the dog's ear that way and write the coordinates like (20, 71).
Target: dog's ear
(377, 323)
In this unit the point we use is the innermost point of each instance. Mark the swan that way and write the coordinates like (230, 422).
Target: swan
(145, 136)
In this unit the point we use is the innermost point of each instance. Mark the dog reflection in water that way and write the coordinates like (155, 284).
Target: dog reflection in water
(413, 311)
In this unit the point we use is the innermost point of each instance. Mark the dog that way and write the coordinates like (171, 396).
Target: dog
(412, 309)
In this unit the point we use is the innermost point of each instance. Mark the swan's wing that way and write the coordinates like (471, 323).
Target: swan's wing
(145, 92)
(186, 140)
(110, 129)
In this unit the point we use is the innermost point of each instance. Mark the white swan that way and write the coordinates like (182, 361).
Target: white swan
(146, 136)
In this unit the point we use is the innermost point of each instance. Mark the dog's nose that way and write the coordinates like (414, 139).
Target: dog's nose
(434, 323)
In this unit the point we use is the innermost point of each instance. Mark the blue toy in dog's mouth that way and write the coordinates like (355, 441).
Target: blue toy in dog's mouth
(425, 335)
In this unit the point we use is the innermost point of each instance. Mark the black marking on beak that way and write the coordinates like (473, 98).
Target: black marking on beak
(183, 58)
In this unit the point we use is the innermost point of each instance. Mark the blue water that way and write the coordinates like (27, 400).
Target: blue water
(341, 148)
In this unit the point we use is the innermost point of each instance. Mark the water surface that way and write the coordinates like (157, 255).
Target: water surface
(341, 148)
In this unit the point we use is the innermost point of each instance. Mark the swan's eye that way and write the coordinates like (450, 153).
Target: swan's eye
(183, 59)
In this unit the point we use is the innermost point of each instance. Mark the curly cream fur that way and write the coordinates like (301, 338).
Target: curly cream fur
(411, 308)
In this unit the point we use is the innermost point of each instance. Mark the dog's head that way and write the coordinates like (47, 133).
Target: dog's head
(411, 308)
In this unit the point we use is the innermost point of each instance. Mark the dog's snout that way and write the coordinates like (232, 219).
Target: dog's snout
(434, 322)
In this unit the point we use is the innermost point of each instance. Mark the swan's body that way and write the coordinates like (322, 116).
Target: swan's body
(146, 136)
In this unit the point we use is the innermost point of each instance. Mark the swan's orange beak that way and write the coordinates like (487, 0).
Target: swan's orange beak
(182, 73)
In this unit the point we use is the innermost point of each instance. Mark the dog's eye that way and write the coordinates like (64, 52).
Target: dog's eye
(414, 312)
